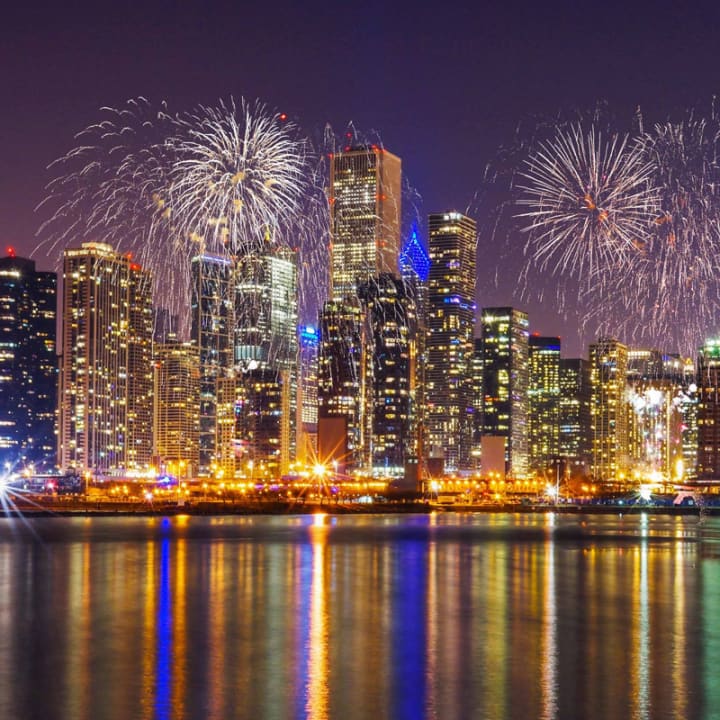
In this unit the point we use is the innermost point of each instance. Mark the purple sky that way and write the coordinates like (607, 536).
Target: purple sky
(443, 84)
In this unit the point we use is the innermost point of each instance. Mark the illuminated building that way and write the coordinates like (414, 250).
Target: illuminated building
(212, 309)
(28, 363)
(415, 271)
(544, 401)
(708, 419)
(574, 421)
(258, 416)
(266, 315)
(389, 373)
(307, 418)
(505, 383)
(450, 320)
(177, 407)
(341, 434)
(657, 410)
(106, 380)
(365, 203)
(608, 371)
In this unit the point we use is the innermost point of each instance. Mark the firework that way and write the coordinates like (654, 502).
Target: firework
(588, 203)
(222, 180)
(675, 279)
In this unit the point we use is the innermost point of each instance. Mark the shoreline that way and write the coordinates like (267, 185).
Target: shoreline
(220, 509)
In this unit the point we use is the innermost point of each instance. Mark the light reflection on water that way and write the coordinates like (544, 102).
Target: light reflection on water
(439, 616)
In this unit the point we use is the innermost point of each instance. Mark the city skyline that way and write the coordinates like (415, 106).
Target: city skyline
(496, 68)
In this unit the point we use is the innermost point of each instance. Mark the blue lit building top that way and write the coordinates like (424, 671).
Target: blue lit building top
(414, 257)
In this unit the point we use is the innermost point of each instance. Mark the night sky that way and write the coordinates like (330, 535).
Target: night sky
(443, 84)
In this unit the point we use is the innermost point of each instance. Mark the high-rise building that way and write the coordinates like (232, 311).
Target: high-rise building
(177, 407)
(341, 396)
(28, 364)
(656, 393)
(449, 340)
(365, 211)
(389, 374)
(415, 271)
(575, 446)
(608, 372)
(307, 416)
(505, 383)
(544, 401)
(106, 381)
(708, 418)
(266, 314)
(212, 331)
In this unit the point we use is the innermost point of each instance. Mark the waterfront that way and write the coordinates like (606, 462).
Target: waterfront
(440, 615)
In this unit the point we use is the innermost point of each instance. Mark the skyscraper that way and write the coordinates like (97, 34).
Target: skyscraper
(575, 445)
(708, 419)
(505, 383)
(391, 317)
(28, 363)
(449, 340)
(212, 332)
(608, 371)
(177, 407)
(365, 205)
(544, 401)
(106, 382)
(266, 344)
(341, 434)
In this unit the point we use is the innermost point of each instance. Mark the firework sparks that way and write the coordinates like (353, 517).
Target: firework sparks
(221, 180)
(588, 202)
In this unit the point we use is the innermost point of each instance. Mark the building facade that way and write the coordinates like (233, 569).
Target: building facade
(28, 364)
(177, 407)
(575, 421)
(708, 412)
(389, 375)
(449, 323)
(365, 211)
(212, 331)
(608, 379)
(544, 402)
(106, 379)
(505, 384)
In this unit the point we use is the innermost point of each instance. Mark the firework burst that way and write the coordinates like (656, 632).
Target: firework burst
(164, 187)
(588, 201)
(674, 281)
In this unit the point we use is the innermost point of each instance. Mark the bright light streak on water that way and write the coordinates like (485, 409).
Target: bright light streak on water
(389, 617)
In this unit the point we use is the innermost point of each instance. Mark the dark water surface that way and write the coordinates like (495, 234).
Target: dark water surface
(387, 616)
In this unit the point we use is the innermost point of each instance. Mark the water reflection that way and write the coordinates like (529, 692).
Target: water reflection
(386, 617)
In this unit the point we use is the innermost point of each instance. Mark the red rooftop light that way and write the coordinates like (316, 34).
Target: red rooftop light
(10, 251)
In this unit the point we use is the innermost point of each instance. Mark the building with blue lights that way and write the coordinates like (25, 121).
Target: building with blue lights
(449, 320)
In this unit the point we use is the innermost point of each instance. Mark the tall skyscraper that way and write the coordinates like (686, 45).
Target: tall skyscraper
(365, 204)
(266, 344)
(544, 401)
(307, 415)
(212, 331)
(575, 445)
(608, 371)
(106, 382)
(365, 211)
(28, 364)
(708, 373)
(389, 374)
(177, 407)
(341, 396)
(505, 383)
(449, 340)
